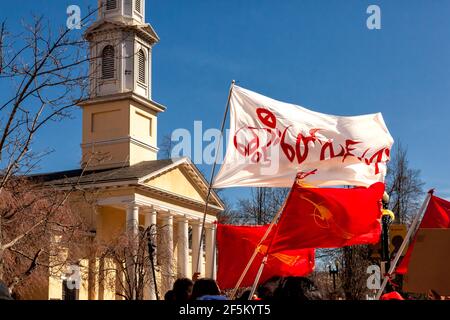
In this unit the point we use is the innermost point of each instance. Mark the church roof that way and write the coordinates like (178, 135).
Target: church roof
(105, 175)
(136, 174)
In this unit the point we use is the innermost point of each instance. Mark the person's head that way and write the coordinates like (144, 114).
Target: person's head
(182, 289)
(267, 290)
(244, 296)
(205, 287)
(297, 288)
(169, 296)
(4, 292)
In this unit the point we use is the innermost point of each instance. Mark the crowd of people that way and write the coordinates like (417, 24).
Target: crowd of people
(185, 290)
(274, 289)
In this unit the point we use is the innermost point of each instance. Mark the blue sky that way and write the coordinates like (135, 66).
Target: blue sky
(315, 53)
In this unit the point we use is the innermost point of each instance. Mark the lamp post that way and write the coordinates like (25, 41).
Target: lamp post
(387, 219)
(151, 253)
(334, 270)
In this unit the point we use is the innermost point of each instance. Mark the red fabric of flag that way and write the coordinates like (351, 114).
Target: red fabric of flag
(437, 216)
(236, 245)
(329, 218)
(392, 296)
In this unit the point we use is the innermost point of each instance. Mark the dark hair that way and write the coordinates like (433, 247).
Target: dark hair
(182, 289)
(267, 290)
(297, 288)
(205, 287)
(169, 296)
(244, 296)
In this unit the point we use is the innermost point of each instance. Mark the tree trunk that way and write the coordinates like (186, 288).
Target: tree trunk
(1, 250)
(1, 264)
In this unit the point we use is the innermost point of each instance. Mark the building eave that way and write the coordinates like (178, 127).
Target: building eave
(194, 173)
(135, 184)
(124, 96)
(145, 31)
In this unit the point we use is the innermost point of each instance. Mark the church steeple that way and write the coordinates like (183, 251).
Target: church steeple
(120, 118)
(122, 10)
(122, 43)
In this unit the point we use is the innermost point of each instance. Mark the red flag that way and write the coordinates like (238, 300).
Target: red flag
(236, 245)
(437, 216)
(329, 218)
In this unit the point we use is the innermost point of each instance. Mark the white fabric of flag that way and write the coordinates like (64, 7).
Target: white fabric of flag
(271, 143)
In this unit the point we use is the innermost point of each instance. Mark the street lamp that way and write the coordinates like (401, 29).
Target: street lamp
(151, 253)
(334, 270)
(387, 218)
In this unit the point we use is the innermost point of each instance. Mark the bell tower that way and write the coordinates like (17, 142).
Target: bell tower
(120, 117)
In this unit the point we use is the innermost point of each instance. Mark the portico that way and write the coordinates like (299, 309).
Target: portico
(166, 195)
(177, 253)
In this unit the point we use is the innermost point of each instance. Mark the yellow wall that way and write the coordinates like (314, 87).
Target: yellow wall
(108, 288)
(108, 132)
(175, 181)
(85, 205)
(103, 156)
(117, 114)
(84, 287)
(110, 223)
(56, 274)
(140, 119)
(36, 292)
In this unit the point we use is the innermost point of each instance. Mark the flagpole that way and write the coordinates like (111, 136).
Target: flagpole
(227, 108)
(411, 230)
(266, 256)
(258, 275)
(255, 253)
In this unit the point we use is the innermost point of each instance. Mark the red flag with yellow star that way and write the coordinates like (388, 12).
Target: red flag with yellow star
(236, 245)
(329, 218)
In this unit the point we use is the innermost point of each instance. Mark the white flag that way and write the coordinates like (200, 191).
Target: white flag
(272, 142)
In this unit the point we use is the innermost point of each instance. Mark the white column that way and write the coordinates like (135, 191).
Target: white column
(132, 225)
(151, 221)
(165, 252)
(151, 215)
(210, 251)
(182, 247)
(133, 220)
(196, 236)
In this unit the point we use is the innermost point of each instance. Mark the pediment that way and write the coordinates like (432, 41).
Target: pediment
(177, 182)
(183, 180)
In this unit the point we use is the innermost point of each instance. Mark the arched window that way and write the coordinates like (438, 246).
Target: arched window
(108, 62)
(111, 4)
(138, 4)
(141, 66)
